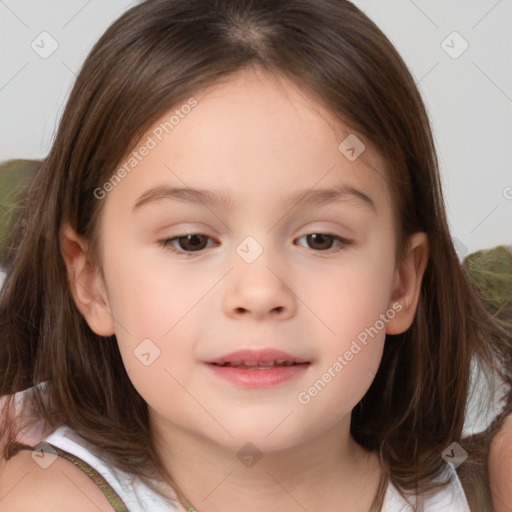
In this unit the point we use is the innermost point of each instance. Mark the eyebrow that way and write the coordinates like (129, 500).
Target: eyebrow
(218, 199)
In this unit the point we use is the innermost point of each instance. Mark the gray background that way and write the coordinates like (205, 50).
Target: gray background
(469, 98)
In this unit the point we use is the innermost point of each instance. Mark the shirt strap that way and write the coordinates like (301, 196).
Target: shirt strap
(113, 498)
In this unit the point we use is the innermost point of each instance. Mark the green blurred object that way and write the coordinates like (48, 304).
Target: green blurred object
(490, 272)
(15, 176)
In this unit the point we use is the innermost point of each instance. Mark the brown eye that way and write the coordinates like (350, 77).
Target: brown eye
(187, 243)
(325, 241)
(192, 242)
(320, 241)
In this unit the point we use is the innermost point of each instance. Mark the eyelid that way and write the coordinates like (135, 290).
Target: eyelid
(344, 242)
(165, 243)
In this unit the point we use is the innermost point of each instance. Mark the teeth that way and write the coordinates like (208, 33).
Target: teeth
(266, 364)
(248, 363)
(269, 364)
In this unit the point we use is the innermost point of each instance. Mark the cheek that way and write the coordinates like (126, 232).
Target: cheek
(155, 311)
(348, 360)
(354, 305)
(149, 295)
(349, 296)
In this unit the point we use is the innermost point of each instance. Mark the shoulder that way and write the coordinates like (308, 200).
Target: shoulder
(448, 498)
(27, 486)
(500, 467)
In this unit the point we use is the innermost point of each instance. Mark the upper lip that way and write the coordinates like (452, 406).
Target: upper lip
(267, 355)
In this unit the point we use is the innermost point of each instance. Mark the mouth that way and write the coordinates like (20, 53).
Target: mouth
(258, 368)
(249, 365)
(257, 359)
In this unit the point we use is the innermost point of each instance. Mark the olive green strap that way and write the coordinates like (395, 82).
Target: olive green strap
(188, 506)
(113, 498)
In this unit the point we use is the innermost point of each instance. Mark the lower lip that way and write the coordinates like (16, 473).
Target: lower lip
(258, 378)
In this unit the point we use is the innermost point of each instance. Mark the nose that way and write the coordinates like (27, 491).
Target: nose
(260, 290)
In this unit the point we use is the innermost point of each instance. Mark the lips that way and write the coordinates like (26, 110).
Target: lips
(258, 359)
(250, 366)
(258, 369)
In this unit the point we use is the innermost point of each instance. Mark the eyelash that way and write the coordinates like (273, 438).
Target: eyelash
(189, 254)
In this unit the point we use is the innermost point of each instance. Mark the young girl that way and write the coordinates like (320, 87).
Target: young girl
(232, 285)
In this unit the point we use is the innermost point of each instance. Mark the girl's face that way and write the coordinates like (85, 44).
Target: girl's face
(268, 256)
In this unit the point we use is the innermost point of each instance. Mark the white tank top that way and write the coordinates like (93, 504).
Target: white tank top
(134, 494)
(127, 493)
(137, 497)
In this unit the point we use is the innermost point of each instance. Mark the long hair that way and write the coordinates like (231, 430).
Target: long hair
(155, 56)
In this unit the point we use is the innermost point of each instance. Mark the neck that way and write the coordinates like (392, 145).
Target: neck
(317, 473)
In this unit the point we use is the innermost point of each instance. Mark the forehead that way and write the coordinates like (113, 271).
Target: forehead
(253, 134)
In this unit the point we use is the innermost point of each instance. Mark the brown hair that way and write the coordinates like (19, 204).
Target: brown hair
(153, 57)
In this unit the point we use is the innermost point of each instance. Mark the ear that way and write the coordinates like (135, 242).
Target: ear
(86, 283)
(407, 283)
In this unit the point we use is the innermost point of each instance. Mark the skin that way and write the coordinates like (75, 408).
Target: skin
(26, 486)
(500, 468)
(258, 139)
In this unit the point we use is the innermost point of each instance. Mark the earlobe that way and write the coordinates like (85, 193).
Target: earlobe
(407, 283)
(86, 283)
